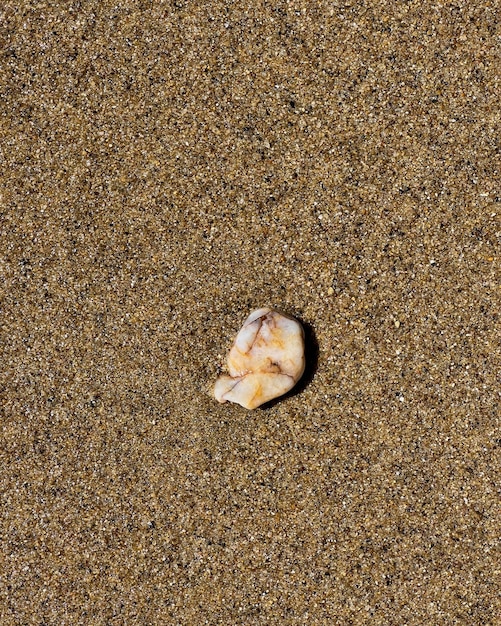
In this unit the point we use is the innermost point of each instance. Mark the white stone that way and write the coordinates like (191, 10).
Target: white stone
(265, 361)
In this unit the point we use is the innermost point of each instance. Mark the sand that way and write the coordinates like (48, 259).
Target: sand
(166, 168)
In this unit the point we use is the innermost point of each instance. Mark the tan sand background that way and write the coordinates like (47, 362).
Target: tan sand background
(166, 168)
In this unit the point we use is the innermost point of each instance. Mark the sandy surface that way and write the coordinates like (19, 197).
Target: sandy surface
(166, 168)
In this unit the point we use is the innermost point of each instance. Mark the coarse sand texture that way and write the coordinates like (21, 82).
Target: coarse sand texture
(169, 167)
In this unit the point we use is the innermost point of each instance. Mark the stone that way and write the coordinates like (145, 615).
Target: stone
(265, 361)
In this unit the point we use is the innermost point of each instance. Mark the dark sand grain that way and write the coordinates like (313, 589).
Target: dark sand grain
(166, 168)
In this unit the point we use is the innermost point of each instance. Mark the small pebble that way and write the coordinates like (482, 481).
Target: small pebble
(265, 361)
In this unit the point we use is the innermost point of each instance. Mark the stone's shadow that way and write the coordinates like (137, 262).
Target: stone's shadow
(311, 354)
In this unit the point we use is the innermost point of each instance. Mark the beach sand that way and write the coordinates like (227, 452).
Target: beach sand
(170, 166)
